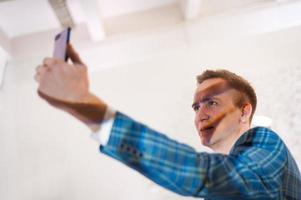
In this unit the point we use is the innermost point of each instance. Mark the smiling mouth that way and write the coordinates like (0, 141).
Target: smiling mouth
(207, 130)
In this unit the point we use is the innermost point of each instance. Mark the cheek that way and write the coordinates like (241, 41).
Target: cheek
(230, 121)
(196, 119)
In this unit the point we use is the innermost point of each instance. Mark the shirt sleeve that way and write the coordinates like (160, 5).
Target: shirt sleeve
(103, 134)
(253, 171)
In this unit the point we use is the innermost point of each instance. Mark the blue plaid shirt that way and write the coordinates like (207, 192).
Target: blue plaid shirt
(259, 165)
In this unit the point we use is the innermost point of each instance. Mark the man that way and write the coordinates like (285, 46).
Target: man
(248, 163)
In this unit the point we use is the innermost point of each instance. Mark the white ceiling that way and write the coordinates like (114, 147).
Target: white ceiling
(20, 17)
(26, 16)
(101, 19)
(112, 8)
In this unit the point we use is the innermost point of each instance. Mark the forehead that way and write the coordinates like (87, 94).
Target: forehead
(211, 87)
(209, 83)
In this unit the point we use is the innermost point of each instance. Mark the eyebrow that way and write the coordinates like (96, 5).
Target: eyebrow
(212, 91)
(204, 99)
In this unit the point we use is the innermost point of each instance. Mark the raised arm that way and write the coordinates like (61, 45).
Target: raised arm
(247, 173)
(66, 87)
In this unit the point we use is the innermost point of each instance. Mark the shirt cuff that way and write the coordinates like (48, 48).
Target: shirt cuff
(103, 134)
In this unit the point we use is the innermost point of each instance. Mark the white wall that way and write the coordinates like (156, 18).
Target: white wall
(46, 154)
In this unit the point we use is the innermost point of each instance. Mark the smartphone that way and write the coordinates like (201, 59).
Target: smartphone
(60, 44)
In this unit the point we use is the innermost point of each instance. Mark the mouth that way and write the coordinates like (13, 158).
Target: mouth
(206, 134)
(207, 130)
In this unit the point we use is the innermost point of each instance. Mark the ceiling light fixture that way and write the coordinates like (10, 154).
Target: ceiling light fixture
(62, 12)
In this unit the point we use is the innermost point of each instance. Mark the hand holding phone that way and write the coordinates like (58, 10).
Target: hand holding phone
(60, 44)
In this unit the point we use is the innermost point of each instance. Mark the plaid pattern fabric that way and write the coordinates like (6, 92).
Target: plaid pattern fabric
(259, 165)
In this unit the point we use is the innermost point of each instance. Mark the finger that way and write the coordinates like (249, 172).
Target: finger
(37, 77)
(41, 68)
(40, 71)
(49, 61)
(37, 68)
(73, 55)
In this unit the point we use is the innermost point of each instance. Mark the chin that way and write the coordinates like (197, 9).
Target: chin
(207, 139)
(206, 142)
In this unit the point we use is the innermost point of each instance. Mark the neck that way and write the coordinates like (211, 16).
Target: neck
(225, 145)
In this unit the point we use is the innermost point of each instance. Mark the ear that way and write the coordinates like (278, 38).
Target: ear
(246, 112)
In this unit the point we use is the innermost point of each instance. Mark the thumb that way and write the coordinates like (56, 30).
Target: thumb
(73, 55)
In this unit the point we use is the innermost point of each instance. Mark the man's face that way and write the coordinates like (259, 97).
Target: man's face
(217, 119)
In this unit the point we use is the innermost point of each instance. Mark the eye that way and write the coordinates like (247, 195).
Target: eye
(212, 103)
(196, 107)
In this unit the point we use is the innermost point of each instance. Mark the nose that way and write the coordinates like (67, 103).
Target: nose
(201, 117)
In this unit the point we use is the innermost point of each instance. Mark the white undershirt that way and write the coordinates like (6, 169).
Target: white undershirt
(103, 134)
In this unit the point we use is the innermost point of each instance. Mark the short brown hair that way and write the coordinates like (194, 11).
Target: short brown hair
(247, 92)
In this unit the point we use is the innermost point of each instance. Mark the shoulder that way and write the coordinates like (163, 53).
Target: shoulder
(259, 137)
(262, 146)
